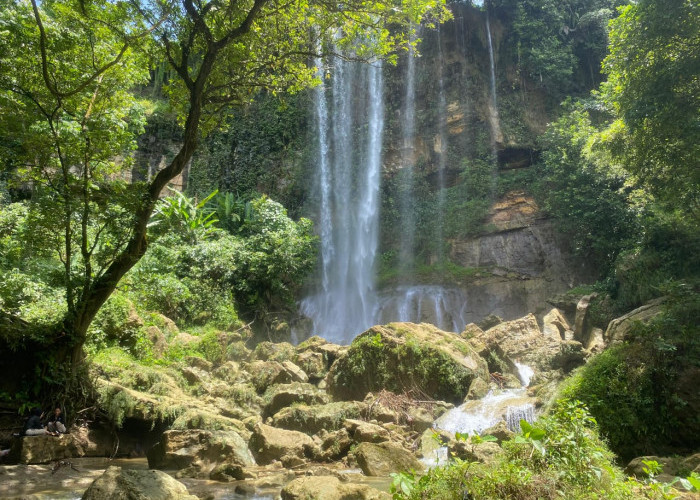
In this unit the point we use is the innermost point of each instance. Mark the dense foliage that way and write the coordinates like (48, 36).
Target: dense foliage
(560, 456)
(642, 391)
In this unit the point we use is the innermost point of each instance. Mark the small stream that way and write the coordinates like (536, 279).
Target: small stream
(475, 416)
(39, 482)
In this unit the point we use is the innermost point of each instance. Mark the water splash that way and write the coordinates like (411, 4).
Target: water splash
(525, 373)
(509, 405)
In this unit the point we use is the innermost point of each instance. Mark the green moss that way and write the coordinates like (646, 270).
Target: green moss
(401, 358)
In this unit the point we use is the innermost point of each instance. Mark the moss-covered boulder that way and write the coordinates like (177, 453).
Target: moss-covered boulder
(312, 419)
(283, 395)
(405, 356)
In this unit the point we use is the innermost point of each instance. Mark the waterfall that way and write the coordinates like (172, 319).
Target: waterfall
(408, 222)
(442, 150)
(496, 135)
(443, 307)
(494, 97)
(326, 236)
(350, 122)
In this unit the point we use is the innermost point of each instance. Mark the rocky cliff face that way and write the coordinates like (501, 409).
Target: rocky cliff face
(518, 265)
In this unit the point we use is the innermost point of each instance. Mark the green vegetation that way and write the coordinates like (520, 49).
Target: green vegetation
(402, 358)
(560, 456)
(70, 123)
(642, 391)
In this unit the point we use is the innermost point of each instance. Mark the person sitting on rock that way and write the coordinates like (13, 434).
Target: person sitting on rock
(34, 427)
(56, 423)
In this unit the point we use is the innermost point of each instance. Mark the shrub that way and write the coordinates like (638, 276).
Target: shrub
(561, 456)
(634, 389)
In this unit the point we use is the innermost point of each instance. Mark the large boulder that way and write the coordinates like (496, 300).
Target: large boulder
(366, 432)
(384, 458)
(79, 442)
(329, 488)
(554, 324)
(619, 327)
(125, 484)
(522, 340)
(284, 395)
(670, 467)
(312, 419)
(199, 451)
(269, 444)
(267, 373)
(405, 356)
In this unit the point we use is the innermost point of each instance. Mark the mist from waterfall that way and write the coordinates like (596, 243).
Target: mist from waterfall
(350, 122)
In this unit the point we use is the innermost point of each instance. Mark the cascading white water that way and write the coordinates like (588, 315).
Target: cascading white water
(442, 153)
(509, 405)
(494, 97)
(350, 125)
(445, 308)
(407, 159)
(496, 134)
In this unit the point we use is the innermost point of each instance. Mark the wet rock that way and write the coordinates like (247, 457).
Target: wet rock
(582, 318)
(471, 330)
(419, 419)
(284, 395)
(227, 473)
(384, 458)
(488, 322)
(402, 356)
(269, 443)
(199, 451)
(478, 389)
(312, 419)
(124, 484)
(329, 488)
(619, 327)
(571, 354)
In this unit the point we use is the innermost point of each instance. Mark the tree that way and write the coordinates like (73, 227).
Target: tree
(560, 43)
(586, 196)
(654, 90)
(91, 52)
